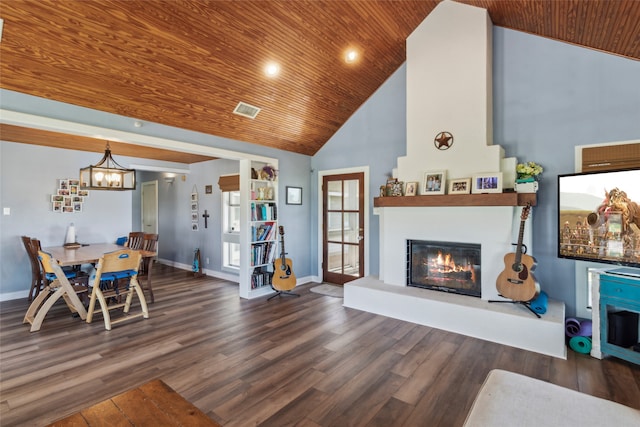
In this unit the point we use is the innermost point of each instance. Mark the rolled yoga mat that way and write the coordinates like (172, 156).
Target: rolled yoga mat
(580, 344)
(578, 328)
(572, 327)
(585, 328)
(539, 304)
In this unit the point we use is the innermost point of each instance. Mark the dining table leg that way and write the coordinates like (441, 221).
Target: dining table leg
(148, 269)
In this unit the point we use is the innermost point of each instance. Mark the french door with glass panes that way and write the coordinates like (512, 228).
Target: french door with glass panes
(343, 227)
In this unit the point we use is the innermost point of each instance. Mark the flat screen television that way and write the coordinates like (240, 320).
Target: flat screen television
(599, 217)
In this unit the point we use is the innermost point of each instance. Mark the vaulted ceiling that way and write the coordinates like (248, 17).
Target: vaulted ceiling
(188, 63)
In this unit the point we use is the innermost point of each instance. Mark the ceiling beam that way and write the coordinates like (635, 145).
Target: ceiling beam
(47, 138)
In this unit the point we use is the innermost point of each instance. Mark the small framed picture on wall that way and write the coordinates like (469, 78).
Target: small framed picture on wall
(294, 195)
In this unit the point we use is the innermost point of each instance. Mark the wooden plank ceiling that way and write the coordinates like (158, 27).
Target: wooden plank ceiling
(188, 63)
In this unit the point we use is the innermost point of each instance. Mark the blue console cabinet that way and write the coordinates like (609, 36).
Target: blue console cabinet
(617, 292)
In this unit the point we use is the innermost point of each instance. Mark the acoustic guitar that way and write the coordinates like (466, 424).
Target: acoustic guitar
(516, 281)
(283, 277)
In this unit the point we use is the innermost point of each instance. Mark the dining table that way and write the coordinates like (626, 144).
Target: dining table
(91, 254)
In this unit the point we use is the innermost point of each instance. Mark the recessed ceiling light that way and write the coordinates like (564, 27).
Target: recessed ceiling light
(272, 69)
(351, 56)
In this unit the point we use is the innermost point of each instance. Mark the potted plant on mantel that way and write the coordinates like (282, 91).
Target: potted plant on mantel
(528, 175)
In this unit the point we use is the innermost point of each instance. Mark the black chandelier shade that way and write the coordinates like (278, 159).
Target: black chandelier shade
(107, 174)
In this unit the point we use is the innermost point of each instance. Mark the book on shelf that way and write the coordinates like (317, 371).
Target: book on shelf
(260, 277)
(271, 235)
(263, 232)
(259, 233)
(263, 211)
(261, 252)
(271, 255)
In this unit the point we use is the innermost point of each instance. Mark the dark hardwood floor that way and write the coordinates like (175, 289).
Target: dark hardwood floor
(304, 361)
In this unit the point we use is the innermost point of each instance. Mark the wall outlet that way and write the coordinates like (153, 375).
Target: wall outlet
(207, 260)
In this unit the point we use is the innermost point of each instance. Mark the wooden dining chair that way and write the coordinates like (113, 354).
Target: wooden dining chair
(117, 277)
(149, 244)
(58, 287)
(136, 239)
(37, 281)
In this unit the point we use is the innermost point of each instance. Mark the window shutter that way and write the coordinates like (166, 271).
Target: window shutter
(611, 157)
(229, 183)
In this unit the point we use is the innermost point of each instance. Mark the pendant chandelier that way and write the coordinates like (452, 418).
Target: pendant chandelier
(107, 174)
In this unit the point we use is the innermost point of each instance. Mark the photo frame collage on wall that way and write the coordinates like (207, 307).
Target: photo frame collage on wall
(194, 209)
(69, 197)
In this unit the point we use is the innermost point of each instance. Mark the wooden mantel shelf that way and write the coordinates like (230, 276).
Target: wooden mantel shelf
(495, 199)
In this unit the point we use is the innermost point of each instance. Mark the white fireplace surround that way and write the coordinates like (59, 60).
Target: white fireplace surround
(449, 89)
(504, 323)
(489, 226)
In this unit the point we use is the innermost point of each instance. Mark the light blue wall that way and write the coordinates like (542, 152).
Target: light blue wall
(548, 98)
(174, 213)
(29, 177)
(32, 165)
(374, 136)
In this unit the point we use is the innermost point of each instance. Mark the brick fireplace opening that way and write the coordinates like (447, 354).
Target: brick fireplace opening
(444, 266)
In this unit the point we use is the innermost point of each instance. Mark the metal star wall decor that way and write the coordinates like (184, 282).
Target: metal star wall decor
(443, 140)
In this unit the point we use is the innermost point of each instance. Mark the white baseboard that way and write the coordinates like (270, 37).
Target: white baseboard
(213, 273)
(8, 296)
(308, 279)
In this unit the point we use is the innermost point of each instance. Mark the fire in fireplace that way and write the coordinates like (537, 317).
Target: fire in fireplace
(444, 266)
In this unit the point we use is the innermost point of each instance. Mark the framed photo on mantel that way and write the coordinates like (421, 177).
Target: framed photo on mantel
(487, 183)
(460, 186)
(411, 188)
(434, 182)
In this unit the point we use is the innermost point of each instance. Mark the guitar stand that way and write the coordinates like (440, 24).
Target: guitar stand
(526, 304)
(278, 293)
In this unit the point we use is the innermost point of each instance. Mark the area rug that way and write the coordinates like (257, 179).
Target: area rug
(507, 399)
(329, 290)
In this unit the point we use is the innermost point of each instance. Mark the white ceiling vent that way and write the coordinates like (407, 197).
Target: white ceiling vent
(243, 109)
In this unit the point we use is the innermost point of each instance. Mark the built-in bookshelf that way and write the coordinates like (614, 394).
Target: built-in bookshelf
(261, 198)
